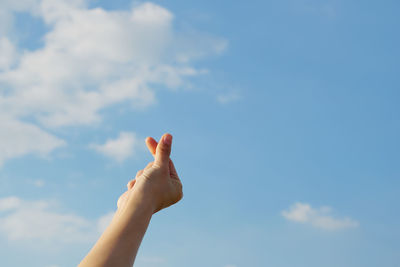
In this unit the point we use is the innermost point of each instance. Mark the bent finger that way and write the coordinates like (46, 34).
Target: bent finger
(130, 184)
(151, 145)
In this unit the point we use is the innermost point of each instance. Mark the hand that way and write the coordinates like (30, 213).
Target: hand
(155, 187)
(158, 184)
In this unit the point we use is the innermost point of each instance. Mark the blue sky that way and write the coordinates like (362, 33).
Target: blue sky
(285, 117)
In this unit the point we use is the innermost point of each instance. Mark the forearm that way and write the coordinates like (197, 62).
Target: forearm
(118, 245)
(154, 188)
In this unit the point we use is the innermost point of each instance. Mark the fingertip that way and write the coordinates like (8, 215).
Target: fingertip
(163, 150)
(151, 145)
(167, 139)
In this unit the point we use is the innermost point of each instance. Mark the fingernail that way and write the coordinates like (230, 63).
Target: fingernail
(167, 140)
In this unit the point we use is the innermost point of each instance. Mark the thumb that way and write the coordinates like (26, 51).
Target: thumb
(163, 151)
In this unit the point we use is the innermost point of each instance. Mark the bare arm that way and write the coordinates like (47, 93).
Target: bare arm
(154, 188)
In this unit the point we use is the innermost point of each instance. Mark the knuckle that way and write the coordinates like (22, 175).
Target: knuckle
(157, 166)
(180, 196)
(165, 149)
(149, 165)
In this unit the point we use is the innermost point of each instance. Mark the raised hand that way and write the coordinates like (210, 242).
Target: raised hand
(158, 184)
(155, 187)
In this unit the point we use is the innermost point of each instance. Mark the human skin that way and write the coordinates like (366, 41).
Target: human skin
(154, 188)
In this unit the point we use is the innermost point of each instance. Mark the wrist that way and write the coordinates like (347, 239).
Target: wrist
(142, 198)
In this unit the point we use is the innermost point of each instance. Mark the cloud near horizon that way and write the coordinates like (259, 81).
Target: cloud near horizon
(319, 218)
(39, 221)
(91, 59)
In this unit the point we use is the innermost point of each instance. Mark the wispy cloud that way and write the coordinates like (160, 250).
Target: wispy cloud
(104, 221)
(118, 149)
(40, 221)
(7, 53)
(19, 138)
(36, 182)
(326, 9)
(228, 97)
(320, 218)
(91, 59)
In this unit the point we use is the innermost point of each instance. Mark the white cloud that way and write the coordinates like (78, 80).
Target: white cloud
(316, 8)
(39, 221)
(7, 9)
(7, 53)
(104, 221)
(92, 59)
(9, 203)
(228, 97)
(37, 183)
(320, 218)
(18, 139)
(120, 148)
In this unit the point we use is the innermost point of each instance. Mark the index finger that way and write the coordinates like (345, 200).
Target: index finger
(151, 145)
